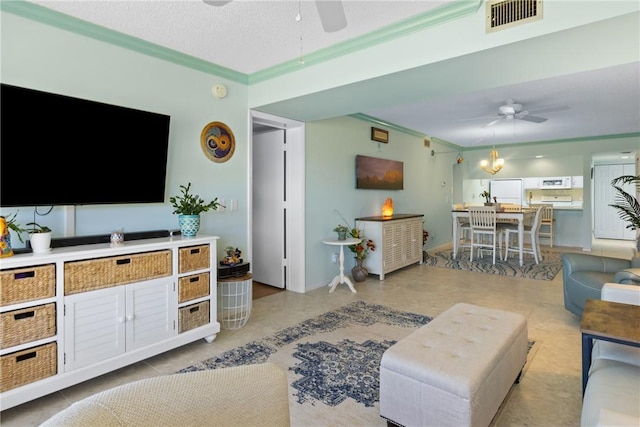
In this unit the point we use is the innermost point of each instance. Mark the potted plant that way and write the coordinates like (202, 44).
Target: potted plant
(342, 231)
(487, 197)
(8, 224)
(40, 237)
(627, 205)
(189, 206)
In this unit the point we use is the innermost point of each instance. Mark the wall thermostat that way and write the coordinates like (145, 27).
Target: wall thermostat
(219, 91)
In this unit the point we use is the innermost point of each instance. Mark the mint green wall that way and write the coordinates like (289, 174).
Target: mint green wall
(331, 147)
(46, 58)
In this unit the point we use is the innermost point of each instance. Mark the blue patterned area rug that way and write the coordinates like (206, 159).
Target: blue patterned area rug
(332, 362)
(547, 269)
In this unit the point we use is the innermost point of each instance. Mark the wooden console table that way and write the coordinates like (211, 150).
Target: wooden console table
(607, 321)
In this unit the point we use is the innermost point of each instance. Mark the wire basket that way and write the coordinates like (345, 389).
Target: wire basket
(234, 301)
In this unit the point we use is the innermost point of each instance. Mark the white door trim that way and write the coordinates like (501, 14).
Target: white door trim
(295, 195)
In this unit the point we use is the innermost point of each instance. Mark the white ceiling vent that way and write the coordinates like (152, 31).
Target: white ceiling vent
(503, 14)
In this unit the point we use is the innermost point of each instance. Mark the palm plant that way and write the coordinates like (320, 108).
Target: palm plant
(627, 204)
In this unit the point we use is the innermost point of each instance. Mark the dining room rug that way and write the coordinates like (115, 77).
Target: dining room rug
(332, 361)
(546, 269)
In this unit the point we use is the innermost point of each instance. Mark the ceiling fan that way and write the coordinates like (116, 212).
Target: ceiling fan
(331, 13)
(511, 110)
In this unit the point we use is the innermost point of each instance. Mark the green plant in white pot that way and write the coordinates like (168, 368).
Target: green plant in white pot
(189, 206)
(40, 237)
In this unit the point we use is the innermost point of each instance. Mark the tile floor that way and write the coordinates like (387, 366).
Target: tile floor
(549, 395)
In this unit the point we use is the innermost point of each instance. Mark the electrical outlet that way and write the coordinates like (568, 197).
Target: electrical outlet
(335, 257)
(234, 205)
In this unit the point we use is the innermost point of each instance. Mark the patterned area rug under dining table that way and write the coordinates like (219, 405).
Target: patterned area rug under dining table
(332, 362)
(546, 269)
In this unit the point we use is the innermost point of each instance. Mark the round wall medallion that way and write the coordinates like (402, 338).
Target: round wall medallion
(217, 142)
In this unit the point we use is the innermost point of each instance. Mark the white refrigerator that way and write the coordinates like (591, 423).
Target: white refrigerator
(509, 191)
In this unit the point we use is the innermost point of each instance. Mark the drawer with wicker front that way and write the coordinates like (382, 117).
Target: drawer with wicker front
(99, 273)
(27, 284)
(193, 287)
(193, 258)
(27, 366)
(193, 316)
(28, 324)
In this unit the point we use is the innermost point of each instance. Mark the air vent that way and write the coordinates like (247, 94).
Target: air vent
(503, 14)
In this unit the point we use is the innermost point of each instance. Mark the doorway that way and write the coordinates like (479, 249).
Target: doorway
(276, 199)
(606, 222)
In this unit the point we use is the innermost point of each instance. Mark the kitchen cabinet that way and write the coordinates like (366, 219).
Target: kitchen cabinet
(398, 242)
(99, 307)
(531, 183)
(577, 181)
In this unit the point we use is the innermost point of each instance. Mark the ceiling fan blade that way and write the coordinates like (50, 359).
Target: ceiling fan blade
(331, 15)
(493, 122)
(216, 2)
(530, 118)
(549, 109)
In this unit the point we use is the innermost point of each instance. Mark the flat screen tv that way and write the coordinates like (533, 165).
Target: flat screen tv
(379, 174)
(60, 150)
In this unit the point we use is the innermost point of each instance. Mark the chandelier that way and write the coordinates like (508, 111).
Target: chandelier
(492, 164)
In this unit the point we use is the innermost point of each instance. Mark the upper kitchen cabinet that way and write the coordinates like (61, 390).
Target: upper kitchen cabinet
(531, 182)
(577, 181)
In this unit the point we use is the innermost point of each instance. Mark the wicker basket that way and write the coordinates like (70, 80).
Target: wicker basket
(192, 287)
(26, 366)
(192, 316)
(82, 276)
(193, 258)
(28, 324)
(27, 284)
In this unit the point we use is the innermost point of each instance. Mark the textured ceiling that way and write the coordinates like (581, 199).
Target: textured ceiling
(251, 36)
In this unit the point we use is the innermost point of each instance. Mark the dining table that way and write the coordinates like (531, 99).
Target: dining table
(522, 216)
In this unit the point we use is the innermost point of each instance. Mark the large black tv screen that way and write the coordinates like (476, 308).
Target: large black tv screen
(60, 150)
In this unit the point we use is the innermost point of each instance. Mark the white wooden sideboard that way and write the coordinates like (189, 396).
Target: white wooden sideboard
(78, 312)
(398, 240)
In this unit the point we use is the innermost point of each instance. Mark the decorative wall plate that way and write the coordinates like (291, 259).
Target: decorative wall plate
(217, 142)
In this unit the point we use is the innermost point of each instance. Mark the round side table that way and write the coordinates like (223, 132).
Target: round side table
(341, 278)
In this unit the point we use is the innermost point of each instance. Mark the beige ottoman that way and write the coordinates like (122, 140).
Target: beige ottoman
(454, 371)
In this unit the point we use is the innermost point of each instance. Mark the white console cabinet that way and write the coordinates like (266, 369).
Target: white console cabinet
(81, 311)
(398, 241)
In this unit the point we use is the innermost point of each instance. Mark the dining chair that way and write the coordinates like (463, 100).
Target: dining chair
(509, 208)
(485, 234)
(464, 230)
(532, 231)
(546, 223)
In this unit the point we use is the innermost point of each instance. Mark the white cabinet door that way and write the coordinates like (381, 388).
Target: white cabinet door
(94, 326)
(577, 181)
(150, 312)
(531, 182)
(607, 224)
(105, 323)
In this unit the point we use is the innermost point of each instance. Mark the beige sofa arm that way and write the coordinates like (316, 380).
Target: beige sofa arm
(616, 292)
(250, 395)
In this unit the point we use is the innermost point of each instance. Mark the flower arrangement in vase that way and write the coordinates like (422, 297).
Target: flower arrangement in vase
(361, 250)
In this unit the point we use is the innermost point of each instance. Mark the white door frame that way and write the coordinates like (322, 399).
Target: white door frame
(295, 195)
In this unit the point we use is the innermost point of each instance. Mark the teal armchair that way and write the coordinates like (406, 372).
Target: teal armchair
(583, 276)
